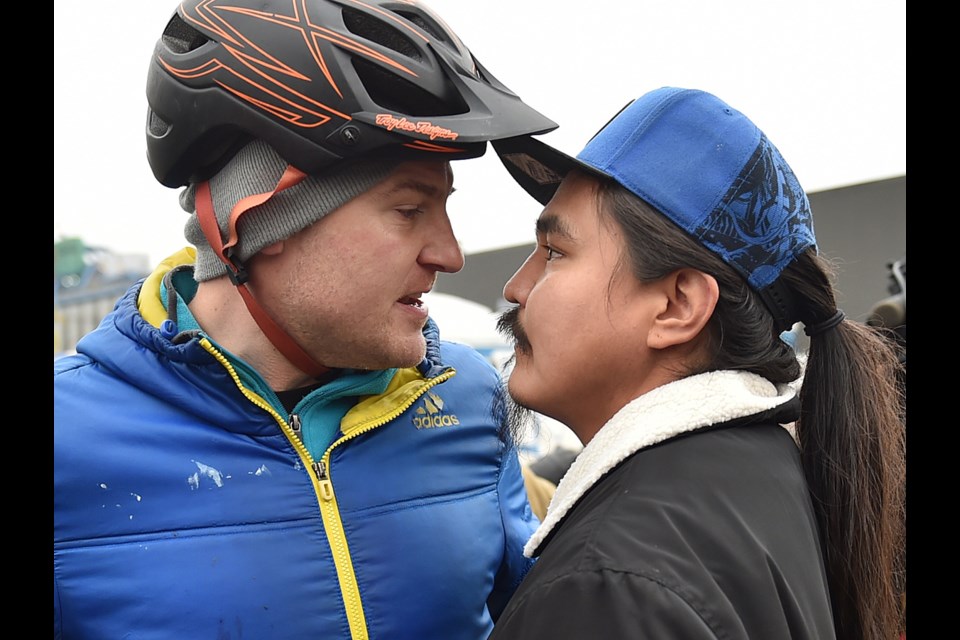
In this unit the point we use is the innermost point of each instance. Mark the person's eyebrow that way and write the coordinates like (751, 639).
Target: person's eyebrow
(414, 185)
(551, 224)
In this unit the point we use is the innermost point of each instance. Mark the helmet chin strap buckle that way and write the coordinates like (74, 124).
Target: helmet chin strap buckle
(236, 271)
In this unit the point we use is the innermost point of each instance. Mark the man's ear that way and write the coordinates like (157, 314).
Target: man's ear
(273, 249)
(691, 297)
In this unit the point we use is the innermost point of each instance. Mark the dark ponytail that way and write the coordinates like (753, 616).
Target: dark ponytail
(852, 437)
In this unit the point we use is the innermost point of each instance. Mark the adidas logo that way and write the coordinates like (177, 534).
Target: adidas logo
(430, 415)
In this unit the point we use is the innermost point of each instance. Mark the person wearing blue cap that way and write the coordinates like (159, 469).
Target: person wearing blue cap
(726, 489)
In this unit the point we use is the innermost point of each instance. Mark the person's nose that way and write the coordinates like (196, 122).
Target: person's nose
(518, 286)
(442, 250)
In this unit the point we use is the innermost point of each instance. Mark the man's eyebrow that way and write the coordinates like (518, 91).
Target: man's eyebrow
(425, 188)
(551, 224)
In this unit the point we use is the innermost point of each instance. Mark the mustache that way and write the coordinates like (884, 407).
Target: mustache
(508, 325)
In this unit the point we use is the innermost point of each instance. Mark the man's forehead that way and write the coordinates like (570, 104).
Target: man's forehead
(431, 177)
(436, 168)
(573, 205)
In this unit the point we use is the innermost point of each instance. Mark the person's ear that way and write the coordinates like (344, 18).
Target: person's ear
(273, 249)
(691, 296)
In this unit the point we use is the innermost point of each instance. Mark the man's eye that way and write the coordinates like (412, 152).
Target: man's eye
(551, 253)
(409, 212)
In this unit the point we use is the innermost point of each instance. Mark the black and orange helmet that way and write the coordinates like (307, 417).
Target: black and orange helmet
(321, 81)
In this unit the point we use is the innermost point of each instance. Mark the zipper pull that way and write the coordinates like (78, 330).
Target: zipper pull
(296, 426)
(326, 487)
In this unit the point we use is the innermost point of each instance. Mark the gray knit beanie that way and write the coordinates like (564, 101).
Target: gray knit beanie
(256, 169)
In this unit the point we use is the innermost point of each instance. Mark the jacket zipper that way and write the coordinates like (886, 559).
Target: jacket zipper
(329, 510)
(296, 426)
(321, 467)
(326, 487)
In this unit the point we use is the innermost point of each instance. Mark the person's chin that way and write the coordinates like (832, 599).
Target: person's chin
(409, 351)
(519, 384)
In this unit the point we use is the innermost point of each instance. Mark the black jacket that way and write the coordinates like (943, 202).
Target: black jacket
(672, 525)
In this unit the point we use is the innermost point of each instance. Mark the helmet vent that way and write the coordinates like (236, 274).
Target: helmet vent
(378, 31)
(427, 25)
(156, 125)
(180, 37)
(401, 96)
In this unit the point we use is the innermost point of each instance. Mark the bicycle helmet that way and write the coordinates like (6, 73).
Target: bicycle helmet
(320, 81)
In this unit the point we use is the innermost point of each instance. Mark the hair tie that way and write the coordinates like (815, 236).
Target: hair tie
(825, 325)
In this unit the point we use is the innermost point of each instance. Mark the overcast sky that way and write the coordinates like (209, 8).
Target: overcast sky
(824, 79)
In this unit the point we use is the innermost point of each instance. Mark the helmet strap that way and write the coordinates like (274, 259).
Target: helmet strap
(237, 271)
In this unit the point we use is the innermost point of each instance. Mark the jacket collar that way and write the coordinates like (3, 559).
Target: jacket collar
(678, 407)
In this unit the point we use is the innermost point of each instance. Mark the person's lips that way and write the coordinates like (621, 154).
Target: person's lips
(412, 300)
(414, 303)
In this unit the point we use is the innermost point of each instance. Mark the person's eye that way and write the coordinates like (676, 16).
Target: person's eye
(551, 253)
(409, 212)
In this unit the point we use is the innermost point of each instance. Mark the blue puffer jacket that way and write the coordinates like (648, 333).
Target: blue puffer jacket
(185, 507)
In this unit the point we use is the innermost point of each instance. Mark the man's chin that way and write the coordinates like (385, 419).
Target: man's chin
(410, 353)
(515, 388)
(514, 419)
(392, 355)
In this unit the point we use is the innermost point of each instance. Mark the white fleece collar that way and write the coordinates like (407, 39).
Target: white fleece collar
(684, 405)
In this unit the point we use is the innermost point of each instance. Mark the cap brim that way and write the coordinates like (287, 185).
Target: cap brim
(537, 167)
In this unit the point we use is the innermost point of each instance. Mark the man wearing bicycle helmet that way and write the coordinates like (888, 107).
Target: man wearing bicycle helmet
(267, 437)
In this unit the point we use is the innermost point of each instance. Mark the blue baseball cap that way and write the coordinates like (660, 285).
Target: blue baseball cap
(703, 165)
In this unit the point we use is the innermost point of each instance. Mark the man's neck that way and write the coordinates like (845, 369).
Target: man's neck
(220, 311)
